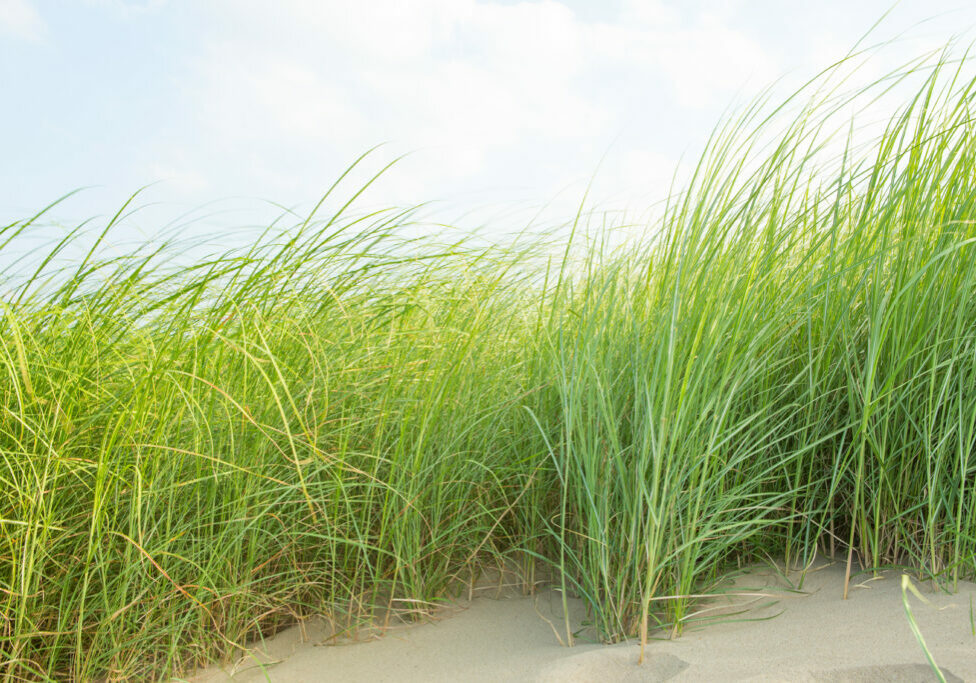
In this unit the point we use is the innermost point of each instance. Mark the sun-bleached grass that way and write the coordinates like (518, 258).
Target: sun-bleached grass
(338, 418)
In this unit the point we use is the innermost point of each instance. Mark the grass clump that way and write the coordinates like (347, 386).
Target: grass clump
(339, 417)
(193, 458)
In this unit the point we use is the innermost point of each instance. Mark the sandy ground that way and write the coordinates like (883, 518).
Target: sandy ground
(783, 635)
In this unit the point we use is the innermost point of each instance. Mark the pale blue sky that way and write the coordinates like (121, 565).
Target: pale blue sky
(498, 101)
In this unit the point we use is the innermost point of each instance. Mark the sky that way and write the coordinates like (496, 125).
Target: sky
(495, 103)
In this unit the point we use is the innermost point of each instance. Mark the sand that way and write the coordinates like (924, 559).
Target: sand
(780, 634)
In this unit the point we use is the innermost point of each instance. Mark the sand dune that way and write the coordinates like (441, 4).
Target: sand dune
(783, 635)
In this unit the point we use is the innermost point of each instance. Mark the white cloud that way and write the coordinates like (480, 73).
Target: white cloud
(649, 13)
(519, 100)
(182, 179)
(247, 94)
(20, 19)
(498, 99)
(130, 7)
(704, 60)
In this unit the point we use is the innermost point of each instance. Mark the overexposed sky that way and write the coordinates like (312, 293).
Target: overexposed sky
(497, 102)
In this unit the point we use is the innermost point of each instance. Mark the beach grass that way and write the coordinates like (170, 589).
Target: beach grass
(343, 416)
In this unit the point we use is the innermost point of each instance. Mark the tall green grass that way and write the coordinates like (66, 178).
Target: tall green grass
(342, 417)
